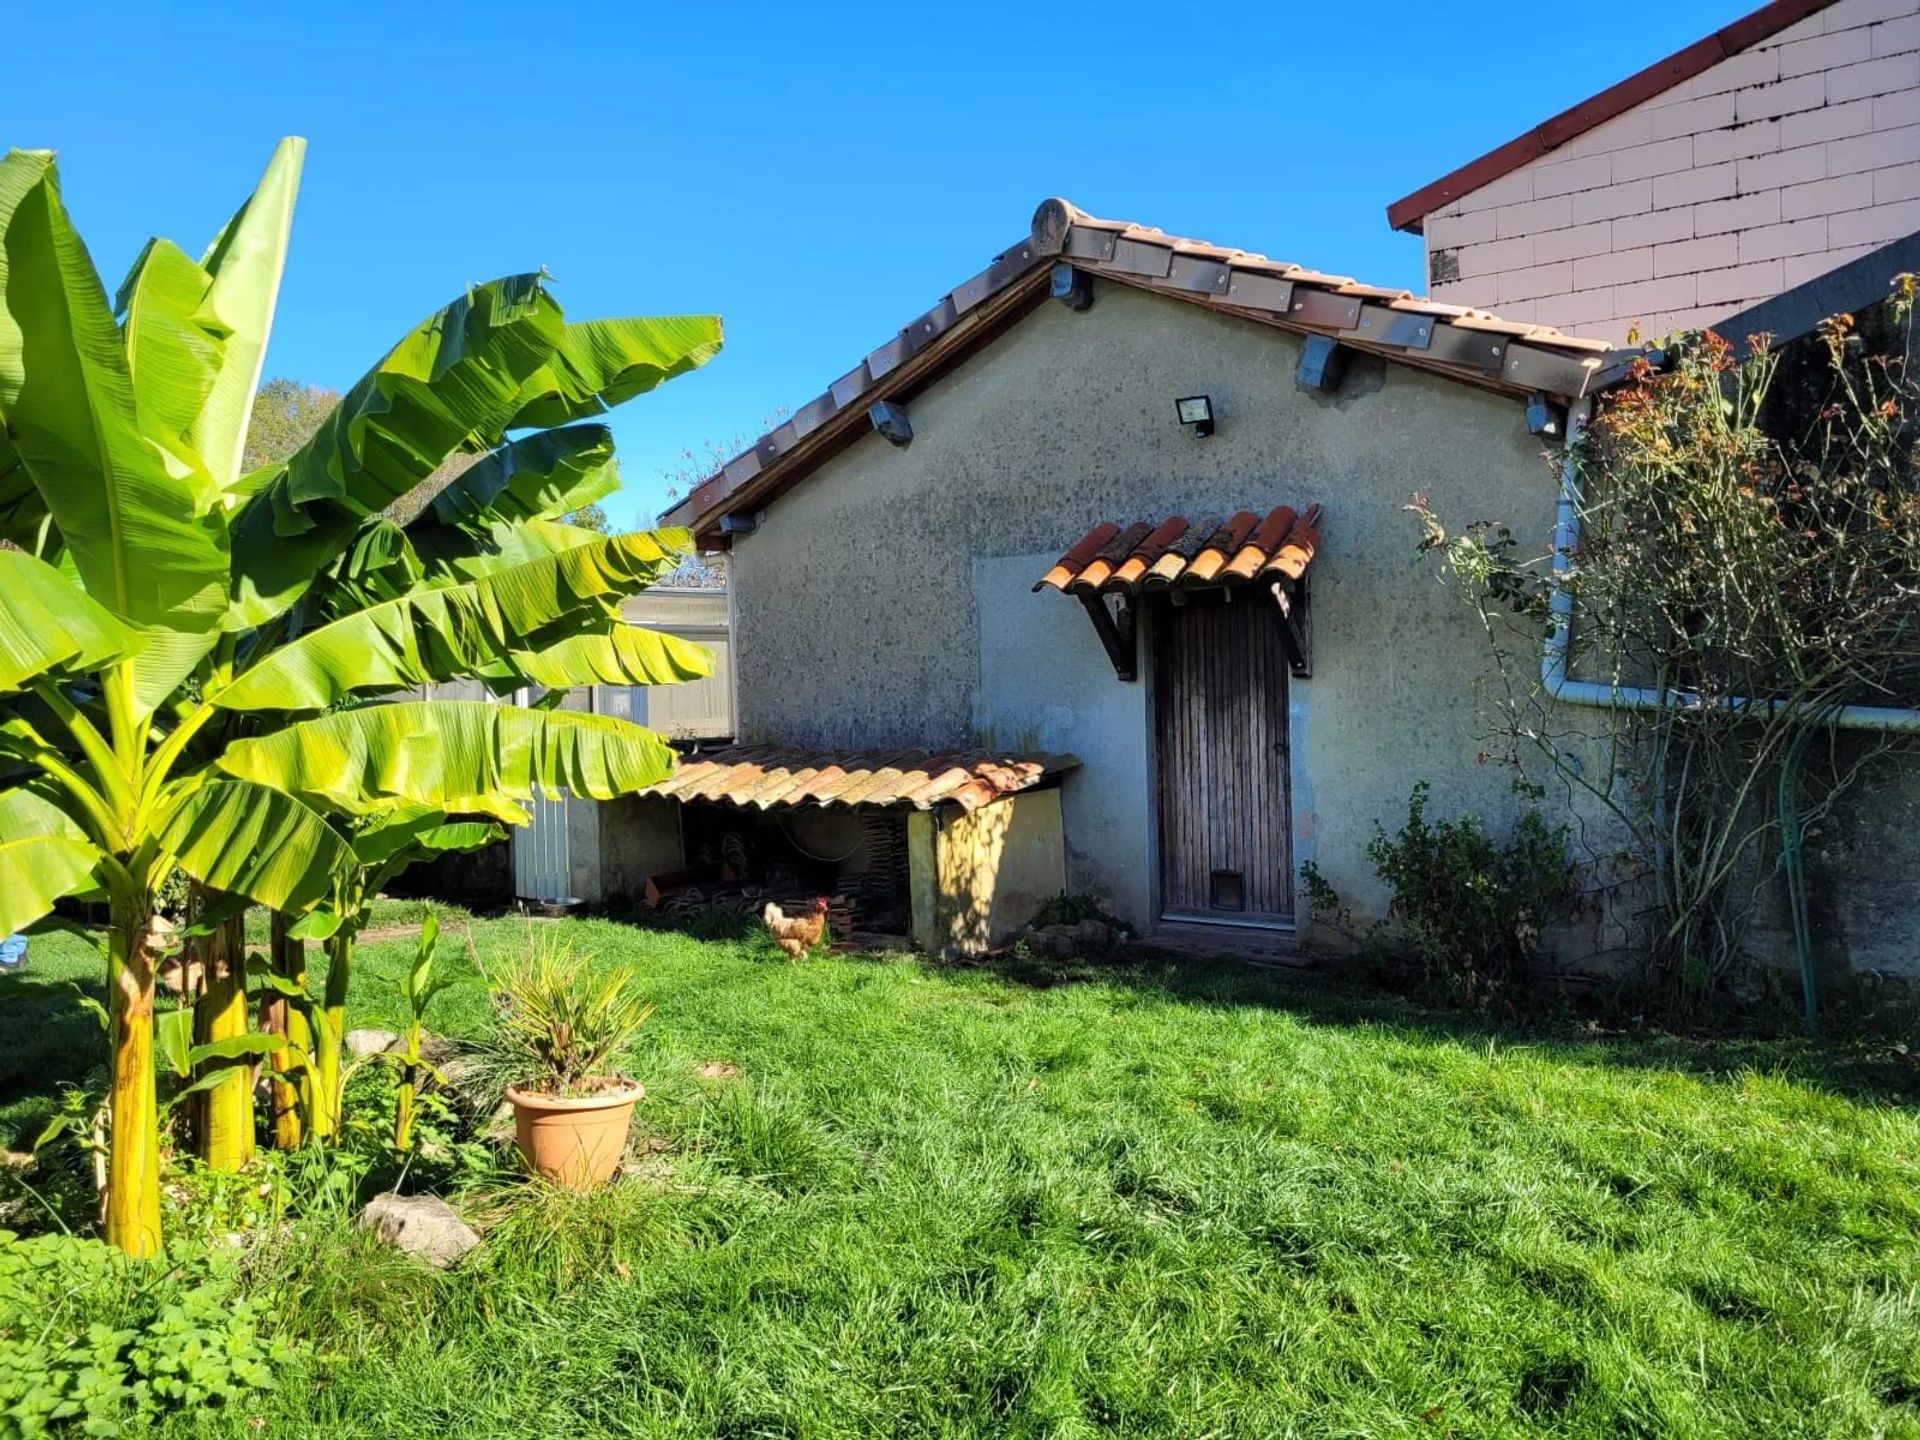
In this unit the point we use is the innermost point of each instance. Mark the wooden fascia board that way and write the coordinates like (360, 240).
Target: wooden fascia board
(982, 324)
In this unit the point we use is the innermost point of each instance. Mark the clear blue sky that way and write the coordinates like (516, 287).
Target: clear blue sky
(816, 174)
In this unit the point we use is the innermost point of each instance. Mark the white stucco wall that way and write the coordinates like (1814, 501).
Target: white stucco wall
(1775, 166)
(1043, 686)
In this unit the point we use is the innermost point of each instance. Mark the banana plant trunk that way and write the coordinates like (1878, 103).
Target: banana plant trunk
(330, 1036)
(225, 1112)
(280, 1015)
(133, 1167)
(403, 1108)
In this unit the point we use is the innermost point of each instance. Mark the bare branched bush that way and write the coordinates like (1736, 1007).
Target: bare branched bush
(1748, 563)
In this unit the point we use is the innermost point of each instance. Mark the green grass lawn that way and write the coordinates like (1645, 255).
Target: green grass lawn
(1184, 1200)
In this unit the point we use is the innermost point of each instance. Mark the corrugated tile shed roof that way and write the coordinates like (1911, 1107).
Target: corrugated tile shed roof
(1457, 341)
(1178, 552)
(762, 776)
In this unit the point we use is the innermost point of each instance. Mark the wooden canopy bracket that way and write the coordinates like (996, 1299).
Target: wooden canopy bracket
(1296, 627)
(1117, 633)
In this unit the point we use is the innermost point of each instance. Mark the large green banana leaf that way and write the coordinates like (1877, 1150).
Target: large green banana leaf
(499, 359)
(165, 659)
(609, 654)
(134, 519)
(535, 478)
(37, 870)
(173, 351)
(250, 840)
(44, 857)
(450, 381)
(23, 514)
(466, 552)
(453, 383)
(378, 565)
(245, 261)
(48, 624)
(25, 812)
(461, 630)
(601, 363)
(460, 756)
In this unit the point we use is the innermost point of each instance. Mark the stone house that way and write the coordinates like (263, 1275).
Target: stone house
(1094, 578)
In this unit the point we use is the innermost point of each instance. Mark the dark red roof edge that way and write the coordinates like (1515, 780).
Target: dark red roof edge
(1657, 78)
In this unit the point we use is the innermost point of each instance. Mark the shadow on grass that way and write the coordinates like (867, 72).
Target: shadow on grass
(47, 1036)
(1865, 1069)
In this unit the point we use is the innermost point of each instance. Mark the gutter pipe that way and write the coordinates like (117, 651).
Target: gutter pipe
(1553, 664)
(1565, 689)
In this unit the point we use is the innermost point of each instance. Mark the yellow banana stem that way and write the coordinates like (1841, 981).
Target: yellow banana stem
(225, 1129)
(133, 1167)
(331, 1034)
(279, 1015)
(115, 785)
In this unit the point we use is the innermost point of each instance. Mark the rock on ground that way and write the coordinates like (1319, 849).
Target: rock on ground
(1095, 936)
(424, 1226)
(361, 1043)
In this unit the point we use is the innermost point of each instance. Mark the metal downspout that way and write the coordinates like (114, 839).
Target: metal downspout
(1553, 664)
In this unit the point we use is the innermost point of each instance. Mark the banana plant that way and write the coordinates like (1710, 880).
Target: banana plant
(170, 624)
(286, 1010)
(383, 845)
(422, 988)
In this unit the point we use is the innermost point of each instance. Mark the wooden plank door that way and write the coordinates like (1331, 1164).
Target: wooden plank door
(1226, 851)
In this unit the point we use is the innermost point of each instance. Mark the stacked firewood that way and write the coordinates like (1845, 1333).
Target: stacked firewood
(874, 898)
(689, 902)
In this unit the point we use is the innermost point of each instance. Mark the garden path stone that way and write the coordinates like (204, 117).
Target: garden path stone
(424, 1226)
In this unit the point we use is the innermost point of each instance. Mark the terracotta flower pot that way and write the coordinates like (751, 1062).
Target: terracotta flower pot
(574, 1142)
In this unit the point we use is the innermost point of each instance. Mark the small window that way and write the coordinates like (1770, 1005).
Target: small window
(1227, 891)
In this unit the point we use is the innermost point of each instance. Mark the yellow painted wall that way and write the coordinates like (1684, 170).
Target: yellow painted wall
(993, 869)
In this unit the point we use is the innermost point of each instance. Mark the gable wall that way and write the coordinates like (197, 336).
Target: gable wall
(1775, 166)
(887, 599)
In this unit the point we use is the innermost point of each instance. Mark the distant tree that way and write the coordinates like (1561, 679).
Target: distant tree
(698, 571)
(705, 570)
(698, 466)
(286, 413)
(588, 517)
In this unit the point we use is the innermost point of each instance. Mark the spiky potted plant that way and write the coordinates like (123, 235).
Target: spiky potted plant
(571, 1112)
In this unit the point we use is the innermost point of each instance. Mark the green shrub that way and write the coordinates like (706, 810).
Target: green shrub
(1470, 908)
(1071, 907)
(92, 1343)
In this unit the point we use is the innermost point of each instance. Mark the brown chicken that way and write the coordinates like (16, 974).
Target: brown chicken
(796, 934)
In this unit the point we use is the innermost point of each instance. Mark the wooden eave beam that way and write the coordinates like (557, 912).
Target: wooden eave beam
(1296, 628)
(1118, 633)
(1492, 381)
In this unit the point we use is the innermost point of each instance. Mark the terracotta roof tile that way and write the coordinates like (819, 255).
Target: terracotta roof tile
(1167, 533)
(1090, 545)
(761, 777)
(1208, 551)
(1194, 271)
